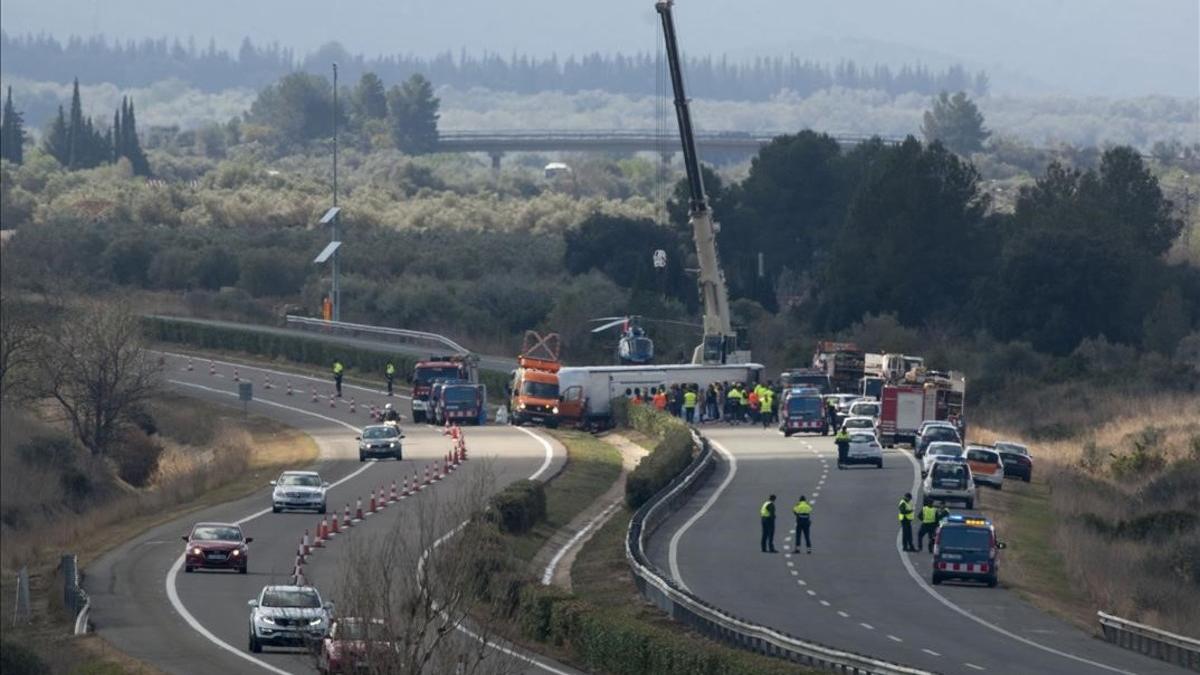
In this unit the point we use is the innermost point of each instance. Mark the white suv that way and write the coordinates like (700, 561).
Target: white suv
(301, 490)
(288, 616)
(950, 480)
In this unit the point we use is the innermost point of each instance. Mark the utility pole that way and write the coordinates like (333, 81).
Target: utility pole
(337, 291)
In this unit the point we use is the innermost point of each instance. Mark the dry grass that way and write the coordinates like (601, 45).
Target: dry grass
(1112, 519)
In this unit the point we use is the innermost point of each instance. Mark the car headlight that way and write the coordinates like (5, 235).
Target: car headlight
(196, 551)
(236, 553)
(520, 406)
(265, 619)
(393, 444)
(554, 410)
(315, 621)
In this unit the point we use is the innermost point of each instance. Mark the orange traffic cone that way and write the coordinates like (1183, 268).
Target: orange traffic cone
(427, 474)
(346, 522)
(307, 547)
(212, 368)
(334, 529)
(358, 512)
(235, 375)
(319, 540)
(289, 391)
(266, 381)
(189, 366)
(371, 506)
(395, 497)
(351, 405)
(314, 395)
(331, 403)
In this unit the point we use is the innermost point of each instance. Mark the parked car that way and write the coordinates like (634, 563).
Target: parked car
(986, 467)
(300, 490)
(355, 645)
(380, 440)
(949, 480)
(220, 546)
(940, 450)
(1017, 460)
(851, 424)
(935, 433)
(864, 449)
(288, 616)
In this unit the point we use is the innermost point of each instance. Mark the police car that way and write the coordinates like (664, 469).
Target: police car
(965, 547)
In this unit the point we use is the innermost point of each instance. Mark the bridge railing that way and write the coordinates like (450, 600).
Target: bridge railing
(414, 338)
(712, 621)
(1160, 644)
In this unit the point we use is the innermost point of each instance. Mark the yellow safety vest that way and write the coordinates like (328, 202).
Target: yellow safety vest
(337, 367)
(928, 515)
(802, 509)
(906, 512)
(391, 370)
(765, 511)
(689, 399)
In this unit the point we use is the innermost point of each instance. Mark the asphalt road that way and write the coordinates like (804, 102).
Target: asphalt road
(145, 605)
(857, 591)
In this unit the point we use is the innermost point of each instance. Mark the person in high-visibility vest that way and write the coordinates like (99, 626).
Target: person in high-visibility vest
(755, 404)
(660, 399)
(766, 513)
(389, 373)
(842, 441)
(689, 405)
(765, 404)
(929, 523)
(803, 510)
(337, 376)
(906, 517)
(735, 404)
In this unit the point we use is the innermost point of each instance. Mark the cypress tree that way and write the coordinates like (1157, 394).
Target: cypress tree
(133, 147)
(116, 137)
(12, 132)
(75, 140)
(57, 141)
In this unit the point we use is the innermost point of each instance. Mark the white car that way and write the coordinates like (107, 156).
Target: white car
(940, 450)
(949, 480)
(299, 490)
(288, 616)
(859, 423)
(864, 449)
(862, 408)
(986, 466)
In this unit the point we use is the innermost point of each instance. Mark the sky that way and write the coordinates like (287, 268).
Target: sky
(1114, 48)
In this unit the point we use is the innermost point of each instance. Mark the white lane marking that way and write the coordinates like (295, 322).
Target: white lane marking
(893, 638)
(811, 592)
(912, 572)
(824, 603)
(931, 652)
(972, 665)
(545, 445)
(867, 626)
(592, 524)
(794, 573)
(802, 582)
(843, 614)
(673, 554)
(284, 373)
(173, 573)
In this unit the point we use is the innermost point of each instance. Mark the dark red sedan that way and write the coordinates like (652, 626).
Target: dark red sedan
(219, 546)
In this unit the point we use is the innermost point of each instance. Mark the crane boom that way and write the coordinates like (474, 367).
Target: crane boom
(720, 341)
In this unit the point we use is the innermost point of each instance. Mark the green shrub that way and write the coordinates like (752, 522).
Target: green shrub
(518, 507)
(48, 451)
(667, 460)
(17, 659)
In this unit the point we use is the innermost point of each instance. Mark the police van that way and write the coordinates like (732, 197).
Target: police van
(965, 547)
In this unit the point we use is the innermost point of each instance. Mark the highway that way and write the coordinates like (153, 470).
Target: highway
(857, 590)
(147, 607)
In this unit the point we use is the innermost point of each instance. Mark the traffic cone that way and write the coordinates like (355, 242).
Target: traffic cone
(395, 497)
(358, 512)
(305, 545)
(235, 375)
(314, 395)
(416, 481)
(351, 405)
(331, 403)
(322, 533)
(289, 391)
(427, 474)
(189, 366)
(266, 381)
(371, 506)
(300, 552)
(334, 529)
(346, 522)
(212, 368)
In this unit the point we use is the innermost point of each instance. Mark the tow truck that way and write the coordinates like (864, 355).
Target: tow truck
(534, 394)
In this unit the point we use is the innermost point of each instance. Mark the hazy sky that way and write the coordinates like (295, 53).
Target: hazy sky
(1097, 47)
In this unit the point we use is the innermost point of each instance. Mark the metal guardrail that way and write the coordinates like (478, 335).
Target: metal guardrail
(413, 338)
(74, 597)
(1160, 644)
(712, 621)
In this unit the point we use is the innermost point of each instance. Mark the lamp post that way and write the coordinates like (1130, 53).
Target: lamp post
(333, 229)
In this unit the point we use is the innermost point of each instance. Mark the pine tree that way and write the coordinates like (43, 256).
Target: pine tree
(413, 116)
(116, 137)
(75, 140)
(57, 141)
(12, 132)
(132, 146)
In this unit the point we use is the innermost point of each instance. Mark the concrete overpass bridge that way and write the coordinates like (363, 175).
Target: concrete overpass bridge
(712, 144)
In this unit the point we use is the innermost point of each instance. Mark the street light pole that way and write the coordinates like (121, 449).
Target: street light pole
(337, 291)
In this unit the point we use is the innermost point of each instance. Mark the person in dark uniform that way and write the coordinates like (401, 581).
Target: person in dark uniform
(337, 376)
(842, 441)
(803, 510)
(389, 372)
(929, 523)
(767, 514)
(906, 517)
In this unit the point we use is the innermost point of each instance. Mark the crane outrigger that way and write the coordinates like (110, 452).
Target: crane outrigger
(721, 344)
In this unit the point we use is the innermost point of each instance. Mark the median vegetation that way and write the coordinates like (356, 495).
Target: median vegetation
(672, 452)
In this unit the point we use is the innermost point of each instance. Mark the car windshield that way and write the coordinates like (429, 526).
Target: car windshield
(217, 533)
(965, 539)
(430, 373)
(859, 424)
(865, 409)
(305, 480)
(539, 389)
(1013, 448)
(353, 629)
(940, 434)
(804, 404)
(947, 470)
(946, 450)
(291, 598)
(985, 456)
(375, 433)
(459, 395)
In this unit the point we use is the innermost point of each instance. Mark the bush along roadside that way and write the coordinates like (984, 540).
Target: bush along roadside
(670, 456)
(518, 507)
(366, 363)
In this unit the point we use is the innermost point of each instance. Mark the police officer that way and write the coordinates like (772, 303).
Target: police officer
(906, 517)
(337, 376)
(803, 511)
(689, 405)
(929, 523)
(767, 404)
(390, 414)
(831, 412)
(389, 372)
(735, 404)
(767, 513)
(842, 440)
(942, 513)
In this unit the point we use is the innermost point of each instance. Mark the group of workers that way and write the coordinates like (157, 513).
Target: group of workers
(930, 516)
(736, 403)
(802, 511)
(389, 374)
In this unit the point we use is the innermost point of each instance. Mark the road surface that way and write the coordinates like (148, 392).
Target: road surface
(857, 590)
(197, 623)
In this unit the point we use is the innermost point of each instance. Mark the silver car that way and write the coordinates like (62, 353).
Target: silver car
(300, 490)
(288, 616)
(950, 480)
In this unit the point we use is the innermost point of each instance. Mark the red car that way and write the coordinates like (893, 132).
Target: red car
(356, 645)
(216, 546)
